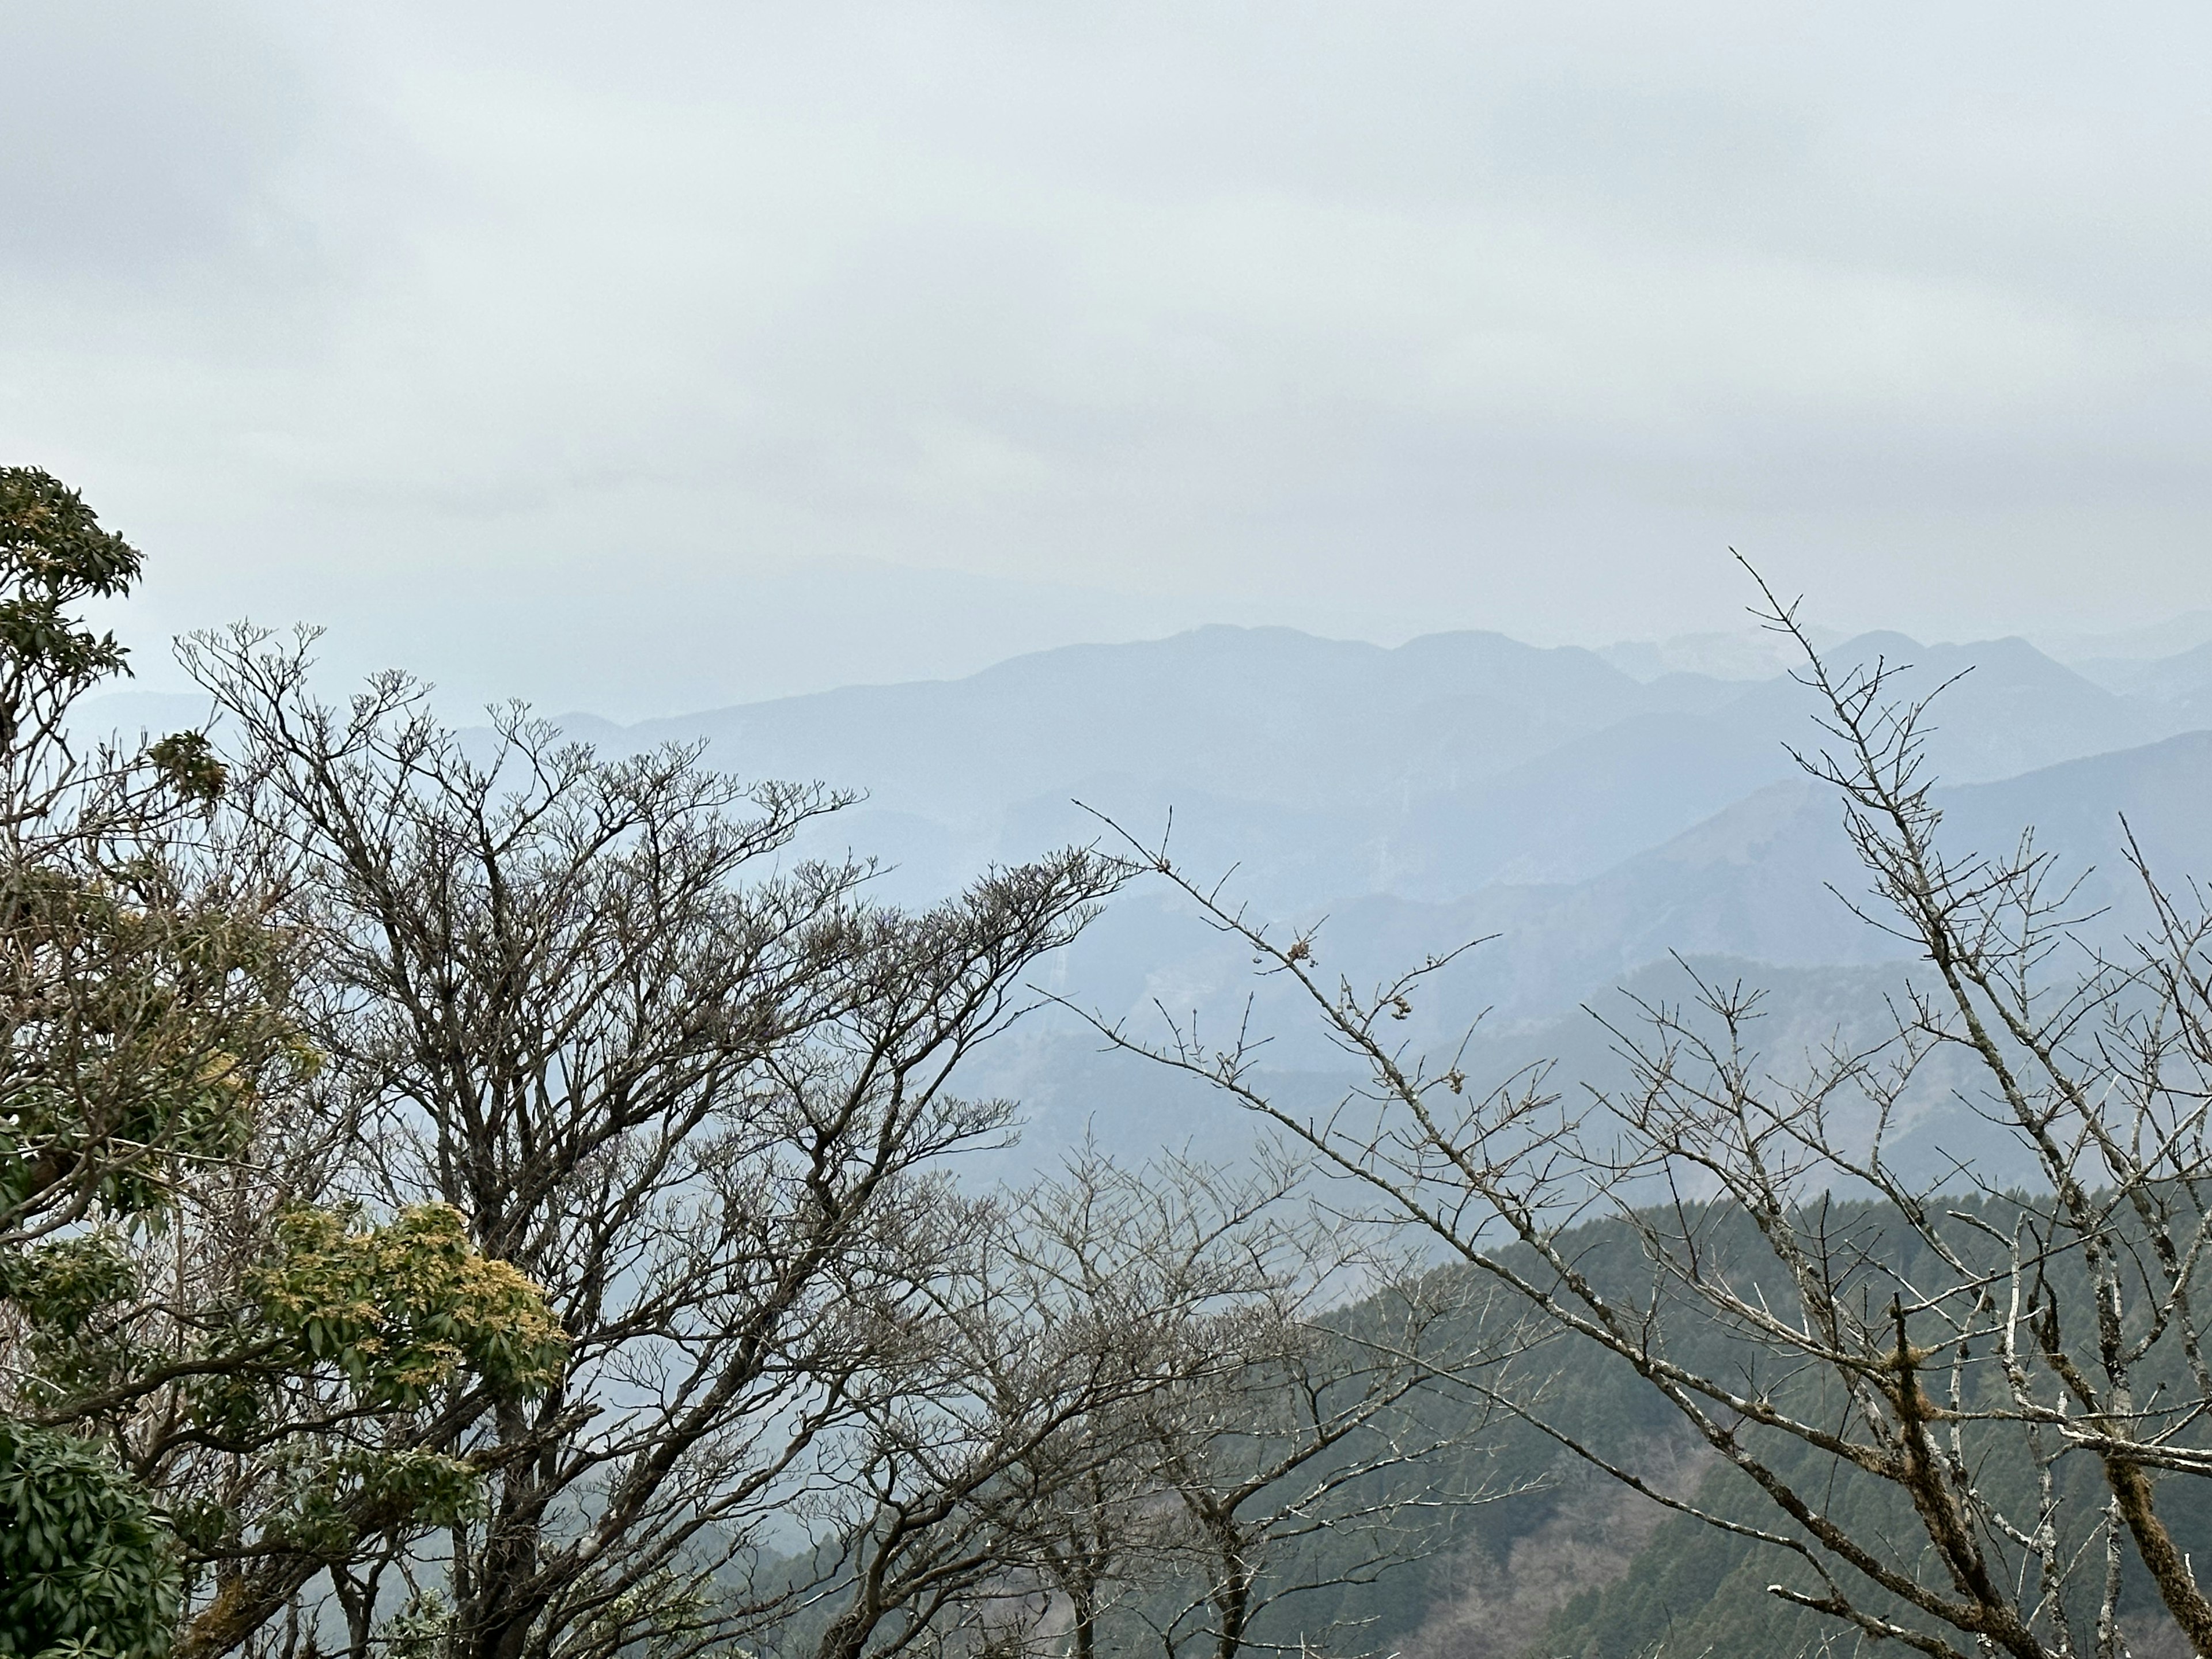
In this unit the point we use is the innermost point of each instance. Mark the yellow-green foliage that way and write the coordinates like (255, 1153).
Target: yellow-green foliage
(401, 1309)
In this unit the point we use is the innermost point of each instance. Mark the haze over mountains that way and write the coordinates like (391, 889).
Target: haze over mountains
(1459, 785)
(1428, 771)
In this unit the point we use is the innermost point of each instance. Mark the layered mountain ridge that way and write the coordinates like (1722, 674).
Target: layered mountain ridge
(1587, 823)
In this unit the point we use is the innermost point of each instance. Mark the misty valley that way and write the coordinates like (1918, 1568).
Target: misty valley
(1208, 1148)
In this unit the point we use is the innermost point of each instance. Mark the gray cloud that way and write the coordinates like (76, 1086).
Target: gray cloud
(554, 348)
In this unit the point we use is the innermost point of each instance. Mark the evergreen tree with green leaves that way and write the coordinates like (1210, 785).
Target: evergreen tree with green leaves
(207, 1354)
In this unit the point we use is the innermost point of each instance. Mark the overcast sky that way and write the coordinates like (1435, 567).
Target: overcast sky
(645, 357)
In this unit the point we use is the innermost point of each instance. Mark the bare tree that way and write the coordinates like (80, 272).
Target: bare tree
(1302, 1463)
(693, 1093)
(1951, 1416)
(1130, 1416)
(1161, 1255)
(550, 1181)
(1279, 1450)
(990, 1381)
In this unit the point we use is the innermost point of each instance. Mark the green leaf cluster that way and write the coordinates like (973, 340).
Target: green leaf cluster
(60, 1286)
(53, 554)
(326, 1495)
(85, 1566)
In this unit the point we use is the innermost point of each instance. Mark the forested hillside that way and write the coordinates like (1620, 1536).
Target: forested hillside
(1580, 1568)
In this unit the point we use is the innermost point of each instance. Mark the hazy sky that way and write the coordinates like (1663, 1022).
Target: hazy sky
(643, 357)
